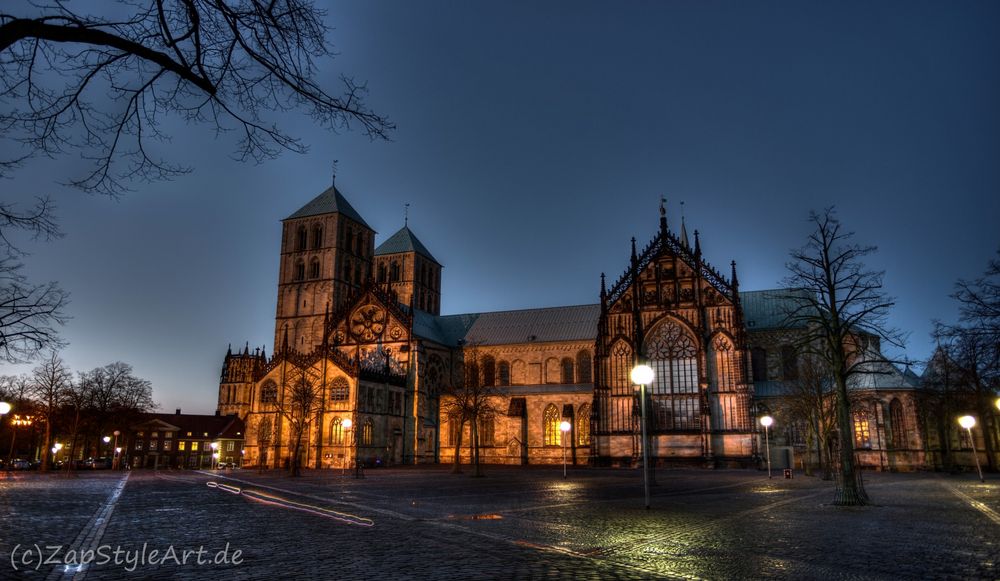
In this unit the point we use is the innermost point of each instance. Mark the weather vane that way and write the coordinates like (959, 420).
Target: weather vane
(333, 168)
(406, 214)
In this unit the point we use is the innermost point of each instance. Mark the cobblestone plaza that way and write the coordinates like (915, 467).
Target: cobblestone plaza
(515, 523)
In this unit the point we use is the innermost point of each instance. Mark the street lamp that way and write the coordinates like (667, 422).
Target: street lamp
(642, 375)
(766, 421)
(215, 454)
(114, 461)
(347, 445)
(4, 408)
(564, 427)
(55, 451)
(968, 422)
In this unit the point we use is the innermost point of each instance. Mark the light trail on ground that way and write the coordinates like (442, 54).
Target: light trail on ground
(273, 500)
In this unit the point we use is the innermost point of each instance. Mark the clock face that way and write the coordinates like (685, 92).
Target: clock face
(368, 322)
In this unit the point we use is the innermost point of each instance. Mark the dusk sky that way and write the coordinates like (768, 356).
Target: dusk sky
(535, 139)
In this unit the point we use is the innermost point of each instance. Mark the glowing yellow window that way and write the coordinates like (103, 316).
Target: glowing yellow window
(194, 446)
(181, 445)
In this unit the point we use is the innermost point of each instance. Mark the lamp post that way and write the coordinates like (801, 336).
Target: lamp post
(55, 451)
(968, 422)
(347, 445)
(642, 375)
(4, 408)
(564, 427)
(114, 461)
(766, 421)
(215, 454)
(106, 440)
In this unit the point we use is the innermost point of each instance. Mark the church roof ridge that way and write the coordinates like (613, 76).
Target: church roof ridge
(329, 201)
(404, 240)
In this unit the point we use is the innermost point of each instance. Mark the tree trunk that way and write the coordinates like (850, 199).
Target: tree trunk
(474, 448)
(296, 471)
(850, 489)
(456, 468)
(46, 445)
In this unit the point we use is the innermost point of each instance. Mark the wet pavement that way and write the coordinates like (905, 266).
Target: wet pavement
(515, 523)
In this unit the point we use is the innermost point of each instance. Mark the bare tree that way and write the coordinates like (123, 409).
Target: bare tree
(300, 406)
(843, 307)
(806, 401)
(101, 80)
(50, 380)
(470, 401)
(262, 429)
(979, 301)
(16, 390)
(116, 398)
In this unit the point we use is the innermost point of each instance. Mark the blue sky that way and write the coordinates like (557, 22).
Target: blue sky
(534, 139)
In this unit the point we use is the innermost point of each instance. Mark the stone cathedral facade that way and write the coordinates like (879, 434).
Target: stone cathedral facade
(358, 333)
(366, 369)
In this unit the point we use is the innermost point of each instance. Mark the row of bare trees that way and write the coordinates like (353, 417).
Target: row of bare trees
(77, 411)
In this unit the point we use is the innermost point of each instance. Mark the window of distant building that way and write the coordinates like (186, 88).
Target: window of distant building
(862, 434)
(381, 272)
(504, 373)
(300, 270)
(583, 367)
(138, 444)
(550, 426)
(454, 429)
(339, 389)
(317, 237)
(758, 361)
(567, 370)
(337, 432)
(486, 431)
(300, 242)
(314, 268)
(898, 424)
(366, 432)
(181, 446)
(394, 272)
(583, 425)
(789, 362)
(269, 392)
(194, 446)
(230, 446)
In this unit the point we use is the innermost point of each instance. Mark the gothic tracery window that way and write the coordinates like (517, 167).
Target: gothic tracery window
(503, 373)
(269, 392)
(898, 424)
(673, 356)
(339, 389)
(337, 432)
(550, 426)
(862, 432)
(366, 432)
(300, 242)
(567, 370)
(583, 425)
(314, 268)
(583, 367)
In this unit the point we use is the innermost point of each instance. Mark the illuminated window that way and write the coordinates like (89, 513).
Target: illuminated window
(366, 433)
(454, 429)
(339, 389)
(194, 446)
(550, 426)
(862, 435)
(166, 445)
(181, 445)
(138, 444)
(230, 446)
(583, 426)
(337, 432)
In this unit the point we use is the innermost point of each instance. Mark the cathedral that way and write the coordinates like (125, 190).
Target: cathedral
(366, 370)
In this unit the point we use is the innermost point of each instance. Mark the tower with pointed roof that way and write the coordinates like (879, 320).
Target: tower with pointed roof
(326, 255)
(408, 269)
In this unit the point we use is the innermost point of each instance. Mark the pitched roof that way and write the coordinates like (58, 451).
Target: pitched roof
(769, 309)
(230, 426)
(576, 323)
(404, 241)
(329, 202)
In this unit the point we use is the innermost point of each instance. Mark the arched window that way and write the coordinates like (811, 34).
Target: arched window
(898, 424)
(347, 271)
(758, 360)
(567, 370)
(489, 371)
(486, 431)
(318, 237)
(339, 389)
(503, 377)
(725, 363)
(300, 241)
(381, 272)
(553, 374)
(518, 372)
(862, 433)
(300, 270)
(269, 392)
(583, 425)
(314, 268)
(366, 433)
(472, 377)
(394, 272)
(583, 367)
(550, 426)
(337, 432)
(673, 354)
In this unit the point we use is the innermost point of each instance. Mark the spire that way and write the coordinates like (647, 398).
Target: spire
(406, 214)
(684, 232)
(333, 173)
(263, 355)
(229, 350)
(663, 215)
(635, 258)
(697, 244)
(736, 282)
(246, 348)
(604, 289)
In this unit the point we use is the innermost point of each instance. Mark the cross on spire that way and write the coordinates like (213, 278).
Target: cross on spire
(406, 214)
(333, 171)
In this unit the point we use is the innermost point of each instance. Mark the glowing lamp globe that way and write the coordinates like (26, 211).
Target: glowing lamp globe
(766, 421)
(4, 407)
(106, 439)
(967, 422)
(642, 375)
(347, 424)
(564, 427)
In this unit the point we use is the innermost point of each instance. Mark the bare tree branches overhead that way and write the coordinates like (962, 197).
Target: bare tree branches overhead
(844, 311)
(102, 81)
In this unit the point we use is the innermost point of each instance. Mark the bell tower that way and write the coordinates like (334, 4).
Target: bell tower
(408, 269)
(326, 255)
